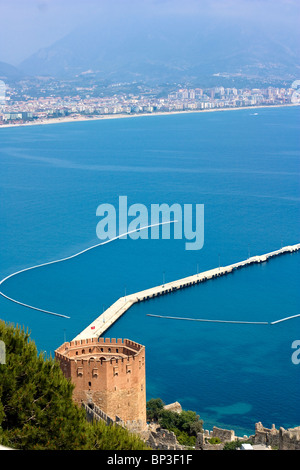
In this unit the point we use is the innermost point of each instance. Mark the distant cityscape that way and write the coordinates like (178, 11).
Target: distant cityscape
(22, 106)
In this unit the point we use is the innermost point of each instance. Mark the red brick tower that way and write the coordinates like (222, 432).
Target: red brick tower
(109, 373)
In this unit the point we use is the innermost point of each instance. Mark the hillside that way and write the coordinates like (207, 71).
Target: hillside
(169, 50)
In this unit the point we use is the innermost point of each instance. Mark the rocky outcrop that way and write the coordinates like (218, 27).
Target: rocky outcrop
(176, 407)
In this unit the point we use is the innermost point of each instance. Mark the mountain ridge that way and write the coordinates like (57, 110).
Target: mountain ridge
(168, 50)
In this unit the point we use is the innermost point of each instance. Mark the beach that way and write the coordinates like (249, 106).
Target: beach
(121, 116)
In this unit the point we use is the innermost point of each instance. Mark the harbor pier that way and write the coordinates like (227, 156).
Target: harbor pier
(98, 327)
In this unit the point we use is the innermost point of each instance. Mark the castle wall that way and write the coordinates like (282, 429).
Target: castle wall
(289, 439)
(283, 439)
(225, 435)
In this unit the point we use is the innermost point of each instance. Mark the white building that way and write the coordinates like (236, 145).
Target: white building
(2, 92)
(246, 447)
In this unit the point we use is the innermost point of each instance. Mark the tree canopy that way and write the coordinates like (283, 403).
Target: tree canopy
(185, 425)
(154, 408)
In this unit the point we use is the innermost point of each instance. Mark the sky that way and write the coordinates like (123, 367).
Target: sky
(29, 25)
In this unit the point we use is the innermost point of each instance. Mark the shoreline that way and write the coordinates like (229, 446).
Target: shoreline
(123, 116)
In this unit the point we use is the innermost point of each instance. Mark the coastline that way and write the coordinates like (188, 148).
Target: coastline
(195, 120)
(123, 116)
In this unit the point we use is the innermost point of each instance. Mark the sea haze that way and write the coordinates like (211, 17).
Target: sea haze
(244, 168)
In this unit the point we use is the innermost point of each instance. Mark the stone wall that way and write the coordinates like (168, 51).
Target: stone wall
(289, 439)
(161, 439)
(203, 444)
(224, 435)
(265, 436)
(283, 439)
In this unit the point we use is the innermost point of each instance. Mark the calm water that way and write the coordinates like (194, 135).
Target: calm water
(244, 168)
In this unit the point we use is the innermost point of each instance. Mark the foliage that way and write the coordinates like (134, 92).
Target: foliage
(183, 438)
(154, 407)
(187, 421)
(232, 445)
(113, 437)
(36, 406)
(214, 440)
(185, 425)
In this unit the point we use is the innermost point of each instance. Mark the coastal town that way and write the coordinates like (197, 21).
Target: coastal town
(20, 106)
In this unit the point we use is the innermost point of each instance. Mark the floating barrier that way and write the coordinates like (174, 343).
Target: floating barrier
(65, 259)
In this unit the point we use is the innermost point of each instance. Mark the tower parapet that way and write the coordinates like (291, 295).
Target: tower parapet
(110, 373)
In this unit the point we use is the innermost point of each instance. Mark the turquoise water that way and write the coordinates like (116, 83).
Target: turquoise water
(245, 170)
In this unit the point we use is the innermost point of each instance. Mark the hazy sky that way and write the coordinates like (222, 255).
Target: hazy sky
(29, 25)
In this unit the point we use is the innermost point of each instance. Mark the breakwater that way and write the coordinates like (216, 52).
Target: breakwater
(115, 311)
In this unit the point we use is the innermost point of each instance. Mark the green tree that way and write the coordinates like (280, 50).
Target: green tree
(233, 445)
(185, 425)
(189, 421)
(186, 421)
(214, 440)
(113, 437)
(154, 408)
(36, 406)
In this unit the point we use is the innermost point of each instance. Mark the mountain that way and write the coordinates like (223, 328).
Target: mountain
(9, 72)
(169, 49)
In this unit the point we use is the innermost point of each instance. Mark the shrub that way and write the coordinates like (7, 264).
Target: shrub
(214, 440)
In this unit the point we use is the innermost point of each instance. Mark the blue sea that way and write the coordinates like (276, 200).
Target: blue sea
(245, 169)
